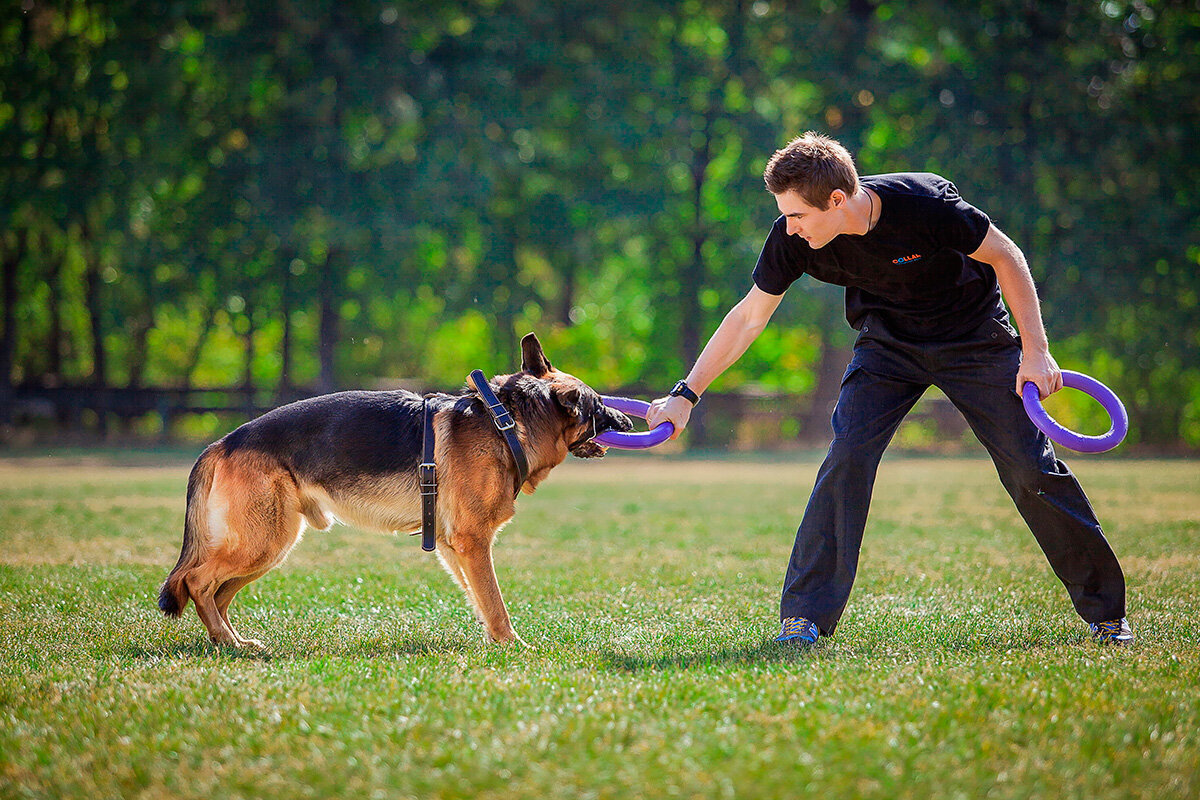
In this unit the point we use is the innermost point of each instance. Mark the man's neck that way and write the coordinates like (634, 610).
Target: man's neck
(863, 212)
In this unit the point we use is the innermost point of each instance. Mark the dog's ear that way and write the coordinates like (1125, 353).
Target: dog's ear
(569, 398)
(533, 360)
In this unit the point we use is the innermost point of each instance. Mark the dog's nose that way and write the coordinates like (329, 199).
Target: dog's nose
(620, 422)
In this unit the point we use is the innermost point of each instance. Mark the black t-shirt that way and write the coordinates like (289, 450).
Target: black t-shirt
(912, 268)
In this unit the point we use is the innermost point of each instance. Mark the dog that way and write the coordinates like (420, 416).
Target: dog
(353, 457)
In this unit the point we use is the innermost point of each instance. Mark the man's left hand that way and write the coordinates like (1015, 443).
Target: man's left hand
(1039, 367)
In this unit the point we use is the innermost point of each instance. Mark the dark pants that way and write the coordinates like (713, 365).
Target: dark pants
(978, 373)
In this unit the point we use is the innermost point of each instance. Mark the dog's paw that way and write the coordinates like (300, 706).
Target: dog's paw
(510, 639)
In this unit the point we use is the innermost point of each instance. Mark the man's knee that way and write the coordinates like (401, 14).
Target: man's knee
(1034, 475)
(852, 453)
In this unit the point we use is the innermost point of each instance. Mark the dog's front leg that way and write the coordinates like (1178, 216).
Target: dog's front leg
(453, 564)
(475, 559)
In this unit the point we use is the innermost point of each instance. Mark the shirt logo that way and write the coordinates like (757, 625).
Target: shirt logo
(906, 259)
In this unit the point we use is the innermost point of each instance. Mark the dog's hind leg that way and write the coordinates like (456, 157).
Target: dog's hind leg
(258, 525)
(202, 584)
(224, 597)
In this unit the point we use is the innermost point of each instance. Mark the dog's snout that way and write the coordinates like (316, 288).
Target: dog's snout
(618, 421)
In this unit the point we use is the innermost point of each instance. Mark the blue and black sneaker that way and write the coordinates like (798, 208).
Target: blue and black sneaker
(1115, 631)
(798, 630)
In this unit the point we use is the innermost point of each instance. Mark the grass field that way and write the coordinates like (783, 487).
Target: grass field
(648, 591)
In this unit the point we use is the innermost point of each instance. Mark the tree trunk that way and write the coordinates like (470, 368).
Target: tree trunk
(54, 355)
(285, 357)
(8, 345)
(92, 286)
(504, 317)
(138, 349)
(329, 325)
(193, 358)
(566, 300)
(248, 371)
(694, 273)
(13, 258)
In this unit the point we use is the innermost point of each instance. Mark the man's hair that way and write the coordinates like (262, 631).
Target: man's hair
(813, 165)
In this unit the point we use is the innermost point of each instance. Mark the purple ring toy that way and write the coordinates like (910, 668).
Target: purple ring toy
(1068, 438)
(633, 440)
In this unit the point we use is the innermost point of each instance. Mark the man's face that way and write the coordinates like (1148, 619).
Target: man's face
(815, 226)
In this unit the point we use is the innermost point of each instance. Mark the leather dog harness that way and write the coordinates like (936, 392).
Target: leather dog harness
(427, 471)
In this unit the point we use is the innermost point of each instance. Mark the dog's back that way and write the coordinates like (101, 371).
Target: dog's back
(323, 438)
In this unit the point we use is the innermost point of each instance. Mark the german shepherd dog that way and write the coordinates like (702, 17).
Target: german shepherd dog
(353, 457)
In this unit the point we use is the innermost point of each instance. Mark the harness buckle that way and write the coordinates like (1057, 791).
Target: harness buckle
(428, 477)
(504, 420)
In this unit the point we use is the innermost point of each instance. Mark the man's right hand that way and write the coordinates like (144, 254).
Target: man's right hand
(675, 410)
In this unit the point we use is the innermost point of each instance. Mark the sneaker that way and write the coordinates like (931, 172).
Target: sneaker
(1115, 631)
(798, 630)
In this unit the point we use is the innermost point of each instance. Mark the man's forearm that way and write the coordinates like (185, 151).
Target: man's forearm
(1016, 284)
(741, 326)
(732, 338)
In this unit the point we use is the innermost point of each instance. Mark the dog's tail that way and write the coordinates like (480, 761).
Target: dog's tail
(173, 597)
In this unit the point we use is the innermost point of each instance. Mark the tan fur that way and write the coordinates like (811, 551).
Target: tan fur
(246, 511)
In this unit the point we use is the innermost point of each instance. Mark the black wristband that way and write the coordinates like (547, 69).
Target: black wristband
(683, 390)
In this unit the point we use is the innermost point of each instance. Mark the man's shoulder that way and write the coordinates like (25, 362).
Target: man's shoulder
(917, 185)
(783, 259)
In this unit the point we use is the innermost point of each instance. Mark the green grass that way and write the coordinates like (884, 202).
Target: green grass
(648, 590)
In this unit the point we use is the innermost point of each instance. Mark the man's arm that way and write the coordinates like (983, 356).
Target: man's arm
(1016, 284)
(741, 326)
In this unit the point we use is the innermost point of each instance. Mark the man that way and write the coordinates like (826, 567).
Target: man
(924, 272)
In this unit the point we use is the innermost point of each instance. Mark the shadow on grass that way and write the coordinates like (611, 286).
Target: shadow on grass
(196, 649)
(771, 652)
(766, 651)
(299, 650)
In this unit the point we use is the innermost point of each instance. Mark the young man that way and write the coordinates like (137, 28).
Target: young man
(924, 272)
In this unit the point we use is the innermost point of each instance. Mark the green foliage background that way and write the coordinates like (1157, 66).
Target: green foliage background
(322, 194)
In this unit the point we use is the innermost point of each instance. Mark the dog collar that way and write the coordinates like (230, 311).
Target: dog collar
(504, 423)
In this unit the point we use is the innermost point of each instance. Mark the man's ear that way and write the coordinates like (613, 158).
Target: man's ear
(837, 197)
(533, 360)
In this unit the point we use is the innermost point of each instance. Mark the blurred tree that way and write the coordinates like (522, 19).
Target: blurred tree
(320, 194)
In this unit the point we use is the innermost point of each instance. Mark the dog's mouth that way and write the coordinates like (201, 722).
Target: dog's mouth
(605, 419)
(588, 449)
(584, 447)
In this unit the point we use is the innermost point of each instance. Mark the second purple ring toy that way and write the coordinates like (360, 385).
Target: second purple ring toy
(1069, 438)
(633, 440)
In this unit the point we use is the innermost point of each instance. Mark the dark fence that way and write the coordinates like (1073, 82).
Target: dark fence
(129, 401)
(80, 408)
(744, 420)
